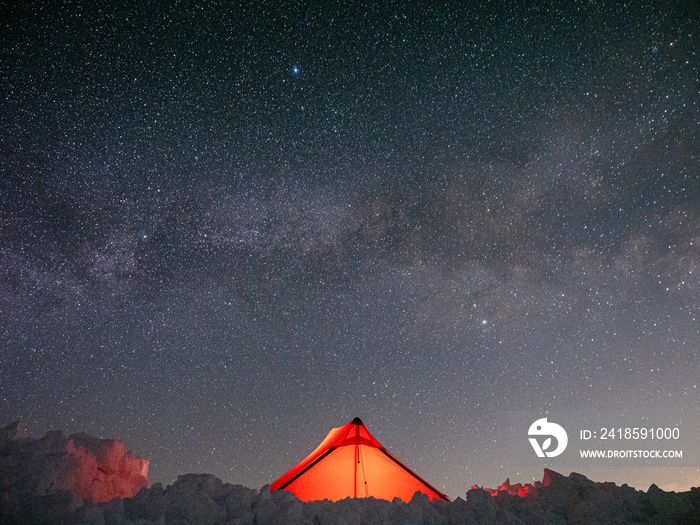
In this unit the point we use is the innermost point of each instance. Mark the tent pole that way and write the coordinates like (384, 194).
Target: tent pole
(357, 457)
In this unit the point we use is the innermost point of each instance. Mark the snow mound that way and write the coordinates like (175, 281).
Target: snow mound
(90, 468)
(31, 492)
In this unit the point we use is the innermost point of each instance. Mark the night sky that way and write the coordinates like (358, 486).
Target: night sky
(226, 227)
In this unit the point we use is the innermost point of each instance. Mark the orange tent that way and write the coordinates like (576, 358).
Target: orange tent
(351, 463)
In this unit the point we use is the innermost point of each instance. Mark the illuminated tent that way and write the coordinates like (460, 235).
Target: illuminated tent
(350, 462)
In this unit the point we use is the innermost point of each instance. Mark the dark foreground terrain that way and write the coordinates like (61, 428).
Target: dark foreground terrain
(58, 480)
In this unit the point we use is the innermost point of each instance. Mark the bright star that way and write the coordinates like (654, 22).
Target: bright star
(295, 70)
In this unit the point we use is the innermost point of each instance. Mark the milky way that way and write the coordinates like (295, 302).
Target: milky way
(227, 228)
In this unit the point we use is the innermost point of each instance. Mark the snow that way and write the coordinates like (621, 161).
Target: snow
(91, 468)
(33, 488)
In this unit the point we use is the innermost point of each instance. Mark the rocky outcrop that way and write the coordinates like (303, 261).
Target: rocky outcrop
(90, 468)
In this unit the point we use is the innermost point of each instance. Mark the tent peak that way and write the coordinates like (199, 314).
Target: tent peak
(357, 421)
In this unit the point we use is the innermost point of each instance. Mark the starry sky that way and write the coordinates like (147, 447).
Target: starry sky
(226, 227)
